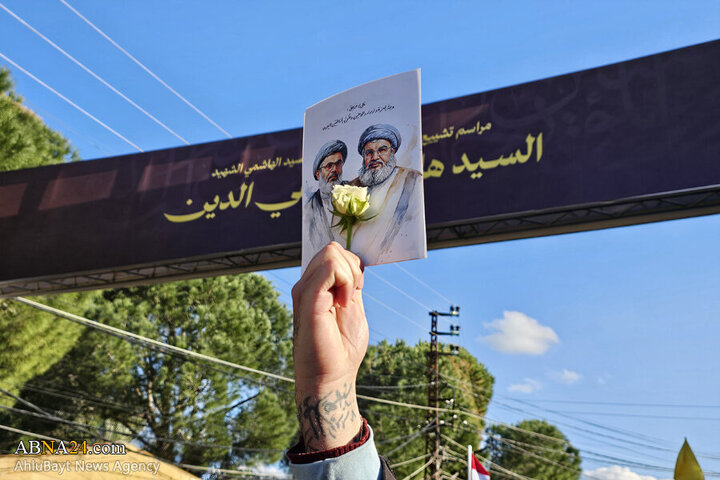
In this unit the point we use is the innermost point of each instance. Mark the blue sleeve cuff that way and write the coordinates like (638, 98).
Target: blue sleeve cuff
(361, 463)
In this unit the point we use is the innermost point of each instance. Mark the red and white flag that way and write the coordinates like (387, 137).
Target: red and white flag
(475, 469)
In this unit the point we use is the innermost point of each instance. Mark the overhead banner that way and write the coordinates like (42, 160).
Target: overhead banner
(635, 128)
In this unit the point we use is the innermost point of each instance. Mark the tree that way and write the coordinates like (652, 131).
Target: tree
(25, 141)
(399, 372)
(32, 341)
(533, 448)
(180, 409)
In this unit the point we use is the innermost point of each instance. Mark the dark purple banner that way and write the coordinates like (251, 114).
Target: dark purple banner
(636, 128)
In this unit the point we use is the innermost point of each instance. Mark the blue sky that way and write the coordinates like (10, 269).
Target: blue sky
(627, 315)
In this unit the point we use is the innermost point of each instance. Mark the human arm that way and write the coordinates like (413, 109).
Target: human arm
(330, 336)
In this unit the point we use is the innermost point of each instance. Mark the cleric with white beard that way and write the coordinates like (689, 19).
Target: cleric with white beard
(390, 188)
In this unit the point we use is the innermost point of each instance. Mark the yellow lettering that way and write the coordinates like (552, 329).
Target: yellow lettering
(466, 165)
(271, 207)
(539, 149)
(434, 170)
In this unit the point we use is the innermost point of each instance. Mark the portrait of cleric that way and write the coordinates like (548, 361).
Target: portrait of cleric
(395, 229)
(327, 171)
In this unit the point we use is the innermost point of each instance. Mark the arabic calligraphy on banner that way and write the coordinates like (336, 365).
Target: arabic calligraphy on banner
(242, 195)
(588, 137)
(436, 168)
(467, 163)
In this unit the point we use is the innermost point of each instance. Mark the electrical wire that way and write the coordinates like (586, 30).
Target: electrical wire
(418, 302)
(94, 75)
(418, 470)
(415, 435)
(129, 336)
(196, 467)
(123, 333)
(622, 404)
(141, 65)
(83, 111)
(405, 462)
(398, 266)
(603, 427)
(389, 308)
(365, 294)
(37, 110)
(640, 415)
(379, 400)
(29, 434)
(84, 427)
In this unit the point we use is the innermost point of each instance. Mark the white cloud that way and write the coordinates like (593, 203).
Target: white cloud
(518, 333)
(566, 376)
(604, 378)
(614, 473)
(528, 386)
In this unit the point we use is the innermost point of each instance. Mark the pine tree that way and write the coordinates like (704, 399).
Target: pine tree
(180, 409)
(399, 372)
(31, 340)
(25, 140)
(535, 449)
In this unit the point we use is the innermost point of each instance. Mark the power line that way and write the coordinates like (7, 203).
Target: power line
(424, 307)
(413, 474)
(623, 404)
(94, 75)
(602, 427)
(29, 434)
(403, 316)
(141, 65)
(123, 333)
(412, 437)
(81, 135)
(393, 387)
(83, 111)
(196, 467)
(405, 462)
(129, 336)
(380, 334)
(397, 265)
(594, 434)
(630, 434)
(640, 415)
(85, 427)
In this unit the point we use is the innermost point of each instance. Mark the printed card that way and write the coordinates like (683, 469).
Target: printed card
(362, 172)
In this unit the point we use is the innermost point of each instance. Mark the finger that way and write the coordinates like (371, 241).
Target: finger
(354, 264)
(320, 257)
(345, 279)
(330, 272)
(310, 271)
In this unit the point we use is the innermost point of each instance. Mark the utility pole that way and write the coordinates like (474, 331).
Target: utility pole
(432, 445)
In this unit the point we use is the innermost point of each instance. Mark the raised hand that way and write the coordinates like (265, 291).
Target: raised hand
(329, 343)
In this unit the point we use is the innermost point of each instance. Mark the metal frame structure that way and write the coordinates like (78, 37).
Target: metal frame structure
(629, 211)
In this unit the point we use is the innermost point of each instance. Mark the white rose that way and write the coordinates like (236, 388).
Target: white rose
(350, 200)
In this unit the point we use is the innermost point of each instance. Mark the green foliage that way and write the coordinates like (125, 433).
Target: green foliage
(25, 141)
(183, 410)
(400, 365)
(33, 340)
(530, 454)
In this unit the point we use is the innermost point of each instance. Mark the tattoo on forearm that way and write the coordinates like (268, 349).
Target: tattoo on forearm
(327, 416)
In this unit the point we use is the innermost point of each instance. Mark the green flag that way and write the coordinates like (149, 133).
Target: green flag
(687, 467)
